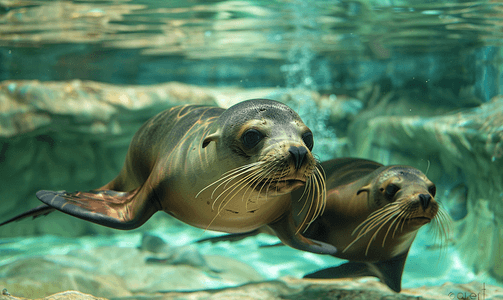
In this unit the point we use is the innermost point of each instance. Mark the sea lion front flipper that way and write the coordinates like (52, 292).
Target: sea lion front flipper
(388, 271)
(232, 237)
(120, 210)
(286, 231)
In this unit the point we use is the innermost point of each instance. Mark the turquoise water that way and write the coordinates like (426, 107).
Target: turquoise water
(437, 57)
(424, 267)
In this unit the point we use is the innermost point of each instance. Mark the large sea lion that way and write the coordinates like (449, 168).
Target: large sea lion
(227, 170)
(372, 216)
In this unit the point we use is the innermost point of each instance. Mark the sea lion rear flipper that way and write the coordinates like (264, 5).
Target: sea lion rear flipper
(41, 210)
(120, 210)
(388, 271)
(286, 231)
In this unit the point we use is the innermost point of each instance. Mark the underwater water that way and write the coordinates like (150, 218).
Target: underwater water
(398, 82)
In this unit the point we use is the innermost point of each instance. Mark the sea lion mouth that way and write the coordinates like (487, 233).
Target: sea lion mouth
(293, 181)
(420, 220)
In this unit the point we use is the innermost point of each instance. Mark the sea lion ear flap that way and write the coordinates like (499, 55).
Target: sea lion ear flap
(211, 138)
(364, 189)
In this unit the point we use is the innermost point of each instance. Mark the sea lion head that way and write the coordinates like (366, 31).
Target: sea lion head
(401, 200)
(409, 188)
(271, 149)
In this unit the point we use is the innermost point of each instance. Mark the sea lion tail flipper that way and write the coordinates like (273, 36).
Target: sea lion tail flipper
(286, 231)
(41, 210)
(388, 271)
(120, 210)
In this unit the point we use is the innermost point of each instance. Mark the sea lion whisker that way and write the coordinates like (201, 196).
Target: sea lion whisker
(447, 221)
(256, 177)
(229, 174)
(254, 180)
(274, 168)
(320, 191)
(320, 173)
(317, 194)
(226, 182)
(396, 219)
(389, 206)
(407, 218)
(247, 171)
(442, 226)
(405, 207)
(249, 178)
(314, 184)
(379, 229)
(259, 178)
(238, 169)
(230, 194)
(402, 218)
(311, 193)
(252, 169)
(232, 188)
(269, 168)
(283, 173)
(268, 182)
(320, 169)
(371, 223)
(307, 189)
(373, 216)
(239, 184)
(374, 222)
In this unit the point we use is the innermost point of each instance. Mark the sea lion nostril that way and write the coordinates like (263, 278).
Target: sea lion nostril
(298, 155)
(424, 199)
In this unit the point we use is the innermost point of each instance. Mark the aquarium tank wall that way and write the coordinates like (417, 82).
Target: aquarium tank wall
(414, 83)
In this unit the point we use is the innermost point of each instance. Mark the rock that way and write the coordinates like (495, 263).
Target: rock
(85, 106)
(68, 295)
(112, 272)
(40, 277)
(298, 289)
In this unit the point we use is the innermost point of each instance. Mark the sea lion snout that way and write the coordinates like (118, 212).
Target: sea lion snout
(298, 155)
(424, 199)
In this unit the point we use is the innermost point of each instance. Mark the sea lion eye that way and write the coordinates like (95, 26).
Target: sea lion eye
(391, 191)
(251, 138)
(432, 190)
(308, 140)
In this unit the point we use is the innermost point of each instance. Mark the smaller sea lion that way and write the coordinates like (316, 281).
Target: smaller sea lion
(372, 216)
(229, 170)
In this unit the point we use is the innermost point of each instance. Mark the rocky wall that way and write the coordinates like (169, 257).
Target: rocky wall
(74, 136)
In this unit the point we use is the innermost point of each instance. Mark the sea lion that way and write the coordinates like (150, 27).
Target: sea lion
(229, 170)
(372, 216)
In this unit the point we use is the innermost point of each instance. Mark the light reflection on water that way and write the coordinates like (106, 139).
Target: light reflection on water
(254, 29)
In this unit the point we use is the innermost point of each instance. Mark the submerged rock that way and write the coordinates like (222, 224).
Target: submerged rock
(112, 272)
(297, 289)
